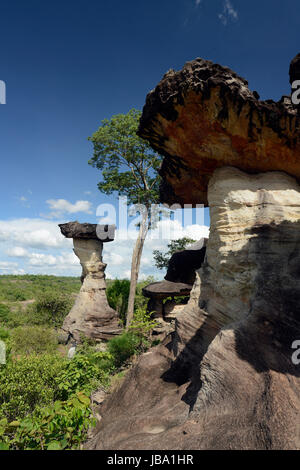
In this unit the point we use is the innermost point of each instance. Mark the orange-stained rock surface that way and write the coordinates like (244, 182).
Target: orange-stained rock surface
(205, 117)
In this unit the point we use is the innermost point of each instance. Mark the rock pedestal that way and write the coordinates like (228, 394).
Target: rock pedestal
(91, 316)
(227, 378)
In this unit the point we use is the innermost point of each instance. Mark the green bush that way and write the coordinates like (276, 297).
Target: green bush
(4, 334)
(27, 383)
(117, 295)
(33, 339)
(123, 347)
(63, 425)
(4, 314)
(142, 324)
(84, 373)
(50, 308)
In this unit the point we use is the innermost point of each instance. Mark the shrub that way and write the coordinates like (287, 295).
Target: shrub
(140, 300)
(117, 296)
(33, 339)
(84, 373)
(28, 383)
(4, 334)
(123, 347)
(63, 425)
(142, 323)
(50, 308)
(4, 313)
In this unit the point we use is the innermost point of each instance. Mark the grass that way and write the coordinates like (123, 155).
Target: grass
(44, 397)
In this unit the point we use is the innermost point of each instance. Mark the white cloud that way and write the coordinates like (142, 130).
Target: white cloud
(229, 13)
(116, 259)
(7, 264)
(40, 259)
(59, 207)
(198, 2)
(37, 246)
(17, 252)
(118, 254)
(32, 233)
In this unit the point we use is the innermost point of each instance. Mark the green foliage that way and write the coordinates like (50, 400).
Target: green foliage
(141, 301)
(44, 400)
(127, 162)
(19, 288)
(135, 340)
(117, 295)
(33, 339)
(162, 259)
(142, 324)
(62, 425)
(84, 373)
(123, 347)
(4, 313)
(27, 383)
(4, 334)
(50, 308)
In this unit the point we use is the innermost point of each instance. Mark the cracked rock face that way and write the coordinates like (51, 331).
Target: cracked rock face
(91, 315)
(225, 379)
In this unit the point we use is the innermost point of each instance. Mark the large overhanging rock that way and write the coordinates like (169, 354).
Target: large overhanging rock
(91, 316)
(205, 117)
(226, 378)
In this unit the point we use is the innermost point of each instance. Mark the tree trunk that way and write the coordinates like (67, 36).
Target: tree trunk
(135, 265)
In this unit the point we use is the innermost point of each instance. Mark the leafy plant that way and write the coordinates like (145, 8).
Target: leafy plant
(50, 309)
(4, 313)
(117, 296)
(84, 373)
(27, 383)
(123, 347)
(33, 339)
(63, 425)
(142, 323)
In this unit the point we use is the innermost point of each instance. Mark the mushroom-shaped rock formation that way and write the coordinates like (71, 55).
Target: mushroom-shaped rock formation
(158, 291)
(91, 315)
(226, 379)
(179, 280)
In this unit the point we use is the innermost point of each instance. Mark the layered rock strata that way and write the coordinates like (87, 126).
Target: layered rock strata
(91, 316)
(226, 378)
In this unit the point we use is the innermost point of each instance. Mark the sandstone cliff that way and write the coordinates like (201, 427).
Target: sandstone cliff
(225, 379)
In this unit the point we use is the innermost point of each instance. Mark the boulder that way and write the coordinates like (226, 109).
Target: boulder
(225, 379)
(183, 265)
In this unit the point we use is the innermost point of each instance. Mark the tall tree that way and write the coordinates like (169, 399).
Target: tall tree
(129, 168)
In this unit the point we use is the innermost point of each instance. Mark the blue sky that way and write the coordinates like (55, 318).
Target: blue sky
(69, 64)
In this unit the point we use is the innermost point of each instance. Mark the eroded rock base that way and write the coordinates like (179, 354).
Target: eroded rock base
(225, 379)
